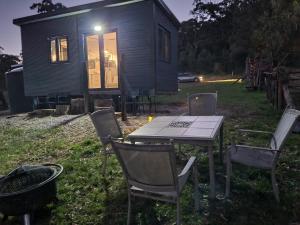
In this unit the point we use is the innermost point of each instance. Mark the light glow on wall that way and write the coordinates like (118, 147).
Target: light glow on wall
(98, 28)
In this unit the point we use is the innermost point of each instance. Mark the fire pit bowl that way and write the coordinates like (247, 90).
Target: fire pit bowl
(28, 188)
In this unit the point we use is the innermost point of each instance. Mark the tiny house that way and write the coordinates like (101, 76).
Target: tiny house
(101, 48)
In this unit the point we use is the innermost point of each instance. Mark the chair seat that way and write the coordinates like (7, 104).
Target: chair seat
(252, 156)
(181, 182)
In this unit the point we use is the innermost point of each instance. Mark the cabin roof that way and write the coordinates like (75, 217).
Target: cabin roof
(80, 9)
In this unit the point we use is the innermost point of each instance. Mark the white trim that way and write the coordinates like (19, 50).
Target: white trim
(123, 3)
(57, 16)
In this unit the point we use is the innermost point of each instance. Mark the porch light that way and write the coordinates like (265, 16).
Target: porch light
(98, 28)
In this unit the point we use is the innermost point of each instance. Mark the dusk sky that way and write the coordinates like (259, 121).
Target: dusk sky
(10, 38)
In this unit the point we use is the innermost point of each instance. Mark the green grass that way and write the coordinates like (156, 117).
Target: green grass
(87, 198)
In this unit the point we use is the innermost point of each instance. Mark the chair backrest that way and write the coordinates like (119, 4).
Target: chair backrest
(148, 167)
(202, 104)
(106, 125)
(284, 128)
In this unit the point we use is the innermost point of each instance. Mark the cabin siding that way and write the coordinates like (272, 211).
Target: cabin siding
(134, 26)
(166, 75)
(40, 76)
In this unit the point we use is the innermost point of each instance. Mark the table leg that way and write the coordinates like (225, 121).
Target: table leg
(212, 191)
(221, 143)
(196, 185)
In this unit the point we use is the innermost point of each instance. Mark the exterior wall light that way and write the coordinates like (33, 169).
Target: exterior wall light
(98, 28)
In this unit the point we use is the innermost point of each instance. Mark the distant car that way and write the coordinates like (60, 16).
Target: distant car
(187, 77)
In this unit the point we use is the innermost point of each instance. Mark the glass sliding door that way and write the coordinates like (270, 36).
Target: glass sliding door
(93, 61)
(111, 60)
(102, 61)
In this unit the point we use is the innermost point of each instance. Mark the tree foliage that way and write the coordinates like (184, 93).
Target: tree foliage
(223, 34)
(6, 61)
(47, 6)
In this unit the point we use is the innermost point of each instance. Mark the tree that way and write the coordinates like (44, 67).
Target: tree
(47, 6)
(6, 61)
(278, 29)
(224, 33)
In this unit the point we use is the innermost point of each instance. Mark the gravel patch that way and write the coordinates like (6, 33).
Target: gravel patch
(24, 121)
(78, 127)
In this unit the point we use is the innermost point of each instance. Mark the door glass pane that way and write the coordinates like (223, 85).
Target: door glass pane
(111, 60)
(93, 61)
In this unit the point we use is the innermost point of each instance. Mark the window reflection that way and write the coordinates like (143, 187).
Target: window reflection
(63, 49)
(59, 49)
(53, 51)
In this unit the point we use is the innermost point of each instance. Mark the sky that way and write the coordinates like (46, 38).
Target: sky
(10, 37)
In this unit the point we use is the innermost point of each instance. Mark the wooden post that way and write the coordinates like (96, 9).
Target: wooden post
(123, 90)
(86, 95)
(287, 96)
(275, 102)
(86, 103)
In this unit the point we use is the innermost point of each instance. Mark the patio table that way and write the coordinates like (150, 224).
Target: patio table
(196, 130)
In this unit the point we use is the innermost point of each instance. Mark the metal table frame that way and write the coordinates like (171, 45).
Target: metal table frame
(199, 141)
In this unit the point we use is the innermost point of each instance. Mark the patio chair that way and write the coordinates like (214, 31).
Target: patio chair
(151, 172)
(259, 157)
(106, 126)
(202, 104)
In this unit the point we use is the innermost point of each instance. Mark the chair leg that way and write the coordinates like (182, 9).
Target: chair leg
(129, 208)
(178, 212)
(179, 148)
(221, 144)
(104, 163)
(228, 174)
(26, 219)
(275, 186)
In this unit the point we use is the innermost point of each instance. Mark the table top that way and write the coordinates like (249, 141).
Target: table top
(196, 128)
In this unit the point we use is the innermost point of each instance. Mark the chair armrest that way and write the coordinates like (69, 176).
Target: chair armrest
(188, 166)
(254, 131)
(110, 138)
(257, 148)
(259, 132)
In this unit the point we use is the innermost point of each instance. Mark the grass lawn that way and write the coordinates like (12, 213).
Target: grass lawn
(87, 198)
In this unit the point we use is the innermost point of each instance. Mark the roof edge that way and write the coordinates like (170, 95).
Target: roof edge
(75, 10)
(169, 12)
(62, 12)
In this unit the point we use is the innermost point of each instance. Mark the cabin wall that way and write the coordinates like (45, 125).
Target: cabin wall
(166, 75)
(137, 34)
(134, 26)
(40, 76)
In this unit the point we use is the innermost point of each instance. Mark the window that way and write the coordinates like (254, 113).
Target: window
(164, 44)
(63, 49)
(53, 51)
(59, 49)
